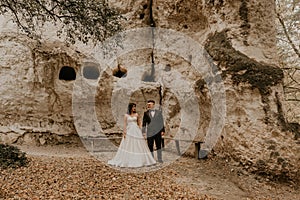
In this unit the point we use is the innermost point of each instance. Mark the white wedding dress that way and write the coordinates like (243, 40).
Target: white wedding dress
(133, 150)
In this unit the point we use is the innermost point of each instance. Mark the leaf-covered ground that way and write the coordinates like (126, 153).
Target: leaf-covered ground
(64, 172)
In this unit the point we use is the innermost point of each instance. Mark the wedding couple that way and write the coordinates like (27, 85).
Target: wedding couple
(133, 150)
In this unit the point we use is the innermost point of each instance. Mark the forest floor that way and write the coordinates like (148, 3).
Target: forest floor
(69, 171)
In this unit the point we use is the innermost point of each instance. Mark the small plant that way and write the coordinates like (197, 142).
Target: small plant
(11, 157)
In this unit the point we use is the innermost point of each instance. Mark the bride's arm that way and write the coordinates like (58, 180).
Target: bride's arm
(125, 125)
(139, 121)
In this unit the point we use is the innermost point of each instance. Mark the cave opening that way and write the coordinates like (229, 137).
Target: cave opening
(91, 72)
(67, 73)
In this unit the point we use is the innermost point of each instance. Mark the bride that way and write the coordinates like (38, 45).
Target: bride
(133, 150)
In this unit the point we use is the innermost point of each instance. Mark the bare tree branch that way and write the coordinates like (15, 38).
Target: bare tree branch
(287, 34)
(292, 99)
(81, 20)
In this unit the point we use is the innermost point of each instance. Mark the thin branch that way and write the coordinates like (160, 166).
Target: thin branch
(293, 79)
(289, 68)
(51, 14)
(292, 99)
(292, 87)
(287, 34)
(18, 21)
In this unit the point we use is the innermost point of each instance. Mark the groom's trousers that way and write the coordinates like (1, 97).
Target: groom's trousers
(157, 139)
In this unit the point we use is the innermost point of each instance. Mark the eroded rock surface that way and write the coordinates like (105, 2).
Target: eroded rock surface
(239, 37)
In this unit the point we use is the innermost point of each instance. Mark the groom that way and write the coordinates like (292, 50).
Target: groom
(153, 127)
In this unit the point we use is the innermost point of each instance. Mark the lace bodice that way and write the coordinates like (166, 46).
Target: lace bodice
(131, 119)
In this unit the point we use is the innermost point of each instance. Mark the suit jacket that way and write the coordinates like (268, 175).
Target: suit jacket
(153, 125)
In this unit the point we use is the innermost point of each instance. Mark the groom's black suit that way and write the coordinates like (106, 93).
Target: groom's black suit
(153, 126)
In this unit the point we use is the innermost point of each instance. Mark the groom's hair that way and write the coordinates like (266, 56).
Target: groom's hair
(151, 101)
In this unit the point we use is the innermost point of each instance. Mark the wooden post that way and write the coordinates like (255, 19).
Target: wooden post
(197, 149)
(92, 144)
(177, 147)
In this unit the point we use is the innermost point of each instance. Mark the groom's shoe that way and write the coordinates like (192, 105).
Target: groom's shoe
(160, 161)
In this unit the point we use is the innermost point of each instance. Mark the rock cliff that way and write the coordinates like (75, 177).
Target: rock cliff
(238, 41)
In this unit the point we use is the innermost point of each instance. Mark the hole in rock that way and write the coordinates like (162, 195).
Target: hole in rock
(142, 16)
(67, 73)
(120, 71)
(91, 72)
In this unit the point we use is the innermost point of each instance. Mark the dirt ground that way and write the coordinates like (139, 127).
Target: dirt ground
(71, 172)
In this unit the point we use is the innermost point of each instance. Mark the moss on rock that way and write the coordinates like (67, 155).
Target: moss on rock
(240, 67)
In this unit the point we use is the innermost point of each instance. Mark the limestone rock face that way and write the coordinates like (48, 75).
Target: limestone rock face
(239, 40)
(33, 98)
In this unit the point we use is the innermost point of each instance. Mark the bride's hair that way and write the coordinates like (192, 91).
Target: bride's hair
(130, 106)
